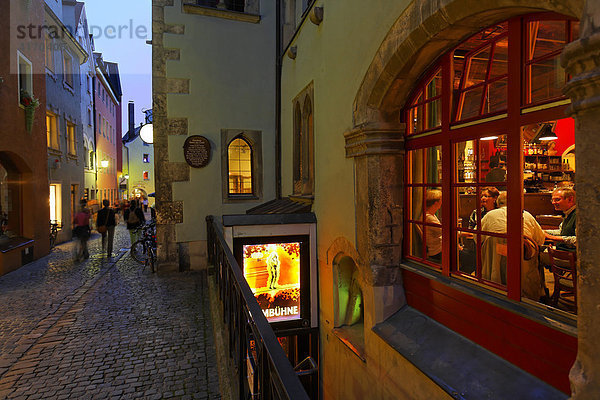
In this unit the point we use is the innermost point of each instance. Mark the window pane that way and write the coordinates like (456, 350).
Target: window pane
(433, 164)
(470, 104)
(433, 112)
(434, 87)
(546, 37)
(477, 67)
(492, 150)
(547, 79)
(466, 161)
(415, 162)
(495, 99)
(433, 231)
(500, 60)
(466, 253)
(415, 119)
(415, 203)
(415, 240)
(465, 201)
(240, 167)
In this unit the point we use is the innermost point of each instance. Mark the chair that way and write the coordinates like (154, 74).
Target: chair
(563, 265)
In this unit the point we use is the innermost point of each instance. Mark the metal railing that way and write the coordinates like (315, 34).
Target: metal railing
(264, 371)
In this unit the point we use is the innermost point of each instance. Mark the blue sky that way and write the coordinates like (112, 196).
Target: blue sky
(120, 29)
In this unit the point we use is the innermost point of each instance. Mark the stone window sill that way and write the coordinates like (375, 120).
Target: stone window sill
(456, 364)
(191, 8)
(353, 338)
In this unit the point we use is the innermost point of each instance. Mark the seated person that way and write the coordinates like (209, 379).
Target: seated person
(467, 257)
(494, 268)
(565, 237)
(433, 234)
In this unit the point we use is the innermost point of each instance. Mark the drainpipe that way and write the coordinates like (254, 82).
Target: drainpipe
(278, 101)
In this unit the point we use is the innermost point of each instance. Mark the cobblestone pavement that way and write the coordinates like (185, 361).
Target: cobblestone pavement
(104, 329)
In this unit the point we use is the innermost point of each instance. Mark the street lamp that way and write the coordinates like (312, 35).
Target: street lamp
(147, 133)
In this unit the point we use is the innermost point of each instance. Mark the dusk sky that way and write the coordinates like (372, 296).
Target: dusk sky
(112, 22)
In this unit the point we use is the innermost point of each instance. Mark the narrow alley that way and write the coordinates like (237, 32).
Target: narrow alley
(104, 329)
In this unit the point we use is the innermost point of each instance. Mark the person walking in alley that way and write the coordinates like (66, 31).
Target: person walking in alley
(105, 225)
(81, 230)
(134, 217)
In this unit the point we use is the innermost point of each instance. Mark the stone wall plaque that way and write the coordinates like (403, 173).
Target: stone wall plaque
(196, 151)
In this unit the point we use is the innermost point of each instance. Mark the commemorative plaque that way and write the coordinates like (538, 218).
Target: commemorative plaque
(196, 151)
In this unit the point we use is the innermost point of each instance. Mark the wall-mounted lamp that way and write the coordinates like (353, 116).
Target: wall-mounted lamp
(104, 163)
(147, 133)
(292, 52)
(316, 15)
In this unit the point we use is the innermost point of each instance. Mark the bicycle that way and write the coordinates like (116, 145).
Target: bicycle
(54, 227)
(144, 249)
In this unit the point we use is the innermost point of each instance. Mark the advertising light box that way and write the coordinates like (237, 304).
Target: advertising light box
(277, 271)
(273, 273)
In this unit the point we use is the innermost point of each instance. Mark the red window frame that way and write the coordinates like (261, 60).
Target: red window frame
(451, 132)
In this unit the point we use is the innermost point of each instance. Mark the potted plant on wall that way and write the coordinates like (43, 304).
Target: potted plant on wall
(30, 103)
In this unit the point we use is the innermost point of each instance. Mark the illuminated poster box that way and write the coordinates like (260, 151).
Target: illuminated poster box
(276, 270)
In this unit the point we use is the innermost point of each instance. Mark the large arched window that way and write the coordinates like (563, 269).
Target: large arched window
(487, 143)
(239, 156)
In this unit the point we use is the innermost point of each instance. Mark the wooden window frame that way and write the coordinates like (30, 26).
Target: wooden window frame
(450, 133)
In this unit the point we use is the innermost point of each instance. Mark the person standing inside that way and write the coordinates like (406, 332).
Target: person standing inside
(134, 217)
(145, 202)
(105, 225)
(81, 230)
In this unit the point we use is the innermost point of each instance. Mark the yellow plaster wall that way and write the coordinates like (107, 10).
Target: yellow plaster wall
(231, 70)
(335, 56)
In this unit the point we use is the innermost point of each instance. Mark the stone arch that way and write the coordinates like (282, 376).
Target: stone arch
(425, 31)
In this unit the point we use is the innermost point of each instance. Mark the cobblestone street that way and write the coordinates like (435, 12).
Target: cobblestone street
(104, 329)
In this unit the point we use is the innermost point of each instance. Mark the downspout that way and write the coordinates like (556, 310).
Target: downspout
(95, 140)
(278, 101)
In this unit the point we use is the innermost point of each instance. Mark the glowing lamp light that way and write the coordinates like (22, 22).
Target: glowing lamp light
(104, 163)
(147, 133)
(489, 138)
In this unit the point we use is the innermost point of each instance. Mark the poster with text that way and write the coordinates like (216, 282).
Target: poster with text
(273, 273)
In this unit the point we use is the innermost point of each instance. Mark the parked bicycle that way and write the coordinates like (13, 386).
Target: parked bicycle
(144, 249)
(54, 227)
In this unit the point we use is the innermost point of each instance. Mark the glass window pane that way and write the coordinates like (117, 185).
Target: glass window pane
(493, 259)
(433, 112)
(500, 60)
(470, 104)
(497, 94)
(547, 79)
(416, 203)
(494, 221)
(466, 161)
(415, 162)
(492, 150)
(433, 164)
(465, 205)
(415, 119)
(415, 238)
(433, 231)
(434, 87)
(477, 67)
(466, 253)
(240, 167)
(546, 37)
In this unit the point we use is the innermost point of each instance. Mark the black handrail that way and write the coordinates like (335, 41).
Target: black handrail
(252, 342)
